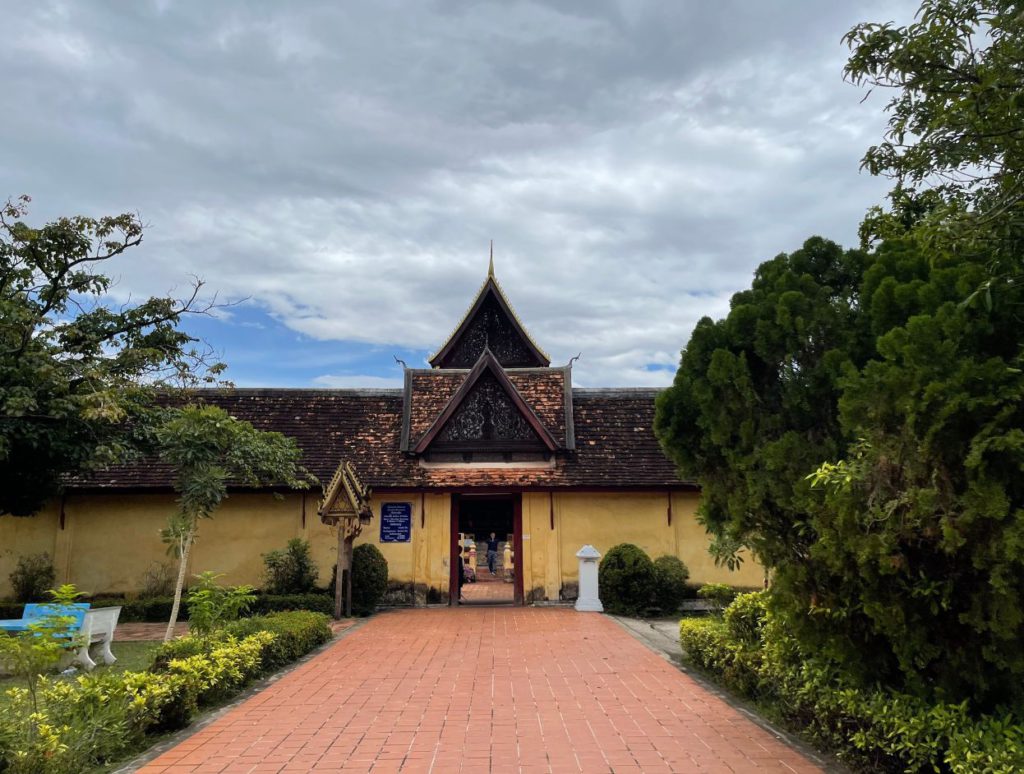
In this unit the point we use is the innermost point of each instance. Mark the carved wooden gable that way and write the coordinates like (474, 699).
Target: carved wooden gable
(490, 324)
(487, 413)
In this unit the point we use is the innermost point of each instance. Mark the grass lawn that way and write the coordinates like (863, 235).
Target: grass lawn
(131, 657)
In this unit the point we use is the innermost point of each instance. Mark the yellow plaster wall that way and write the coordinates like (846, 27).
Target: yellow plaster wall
(425, 560)
(22, 536)
(110, 540)
(692, 548)
(605, 519)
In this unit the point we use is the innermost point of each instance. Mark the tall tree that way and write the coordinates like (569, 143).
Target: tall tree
(210, 449)
(955, 143)
(78, 374)
(754, 405)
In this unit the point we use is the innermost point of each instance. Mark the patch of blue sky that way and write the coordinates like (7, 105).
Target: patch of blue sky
(261, 351)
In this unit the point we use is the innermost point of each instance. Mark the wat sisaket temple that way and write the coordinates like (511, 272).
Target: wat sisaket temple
(491, 438)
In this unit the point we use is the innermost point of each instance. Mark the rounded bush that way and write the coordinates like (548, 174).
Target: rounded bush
(626, 580)
(670, 576)
(745, 616)
(369, 578)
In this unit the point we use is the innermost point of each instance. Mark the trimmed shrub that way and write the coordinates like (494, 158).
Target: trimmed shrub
(32, 577)
(273, 603)
(369, 578)
(95, 719)
(877, 730)
(746, 615)
(626, 580)
(670, 576)
(296, 633)
(718, 594)
(292, 570)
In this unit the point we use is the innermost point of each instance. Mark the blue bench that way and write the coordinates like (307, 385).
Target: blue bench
(94, 626)
(35, 612)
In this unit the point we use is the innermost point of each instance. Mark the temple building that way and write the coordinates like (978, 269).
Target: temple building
(491, 438)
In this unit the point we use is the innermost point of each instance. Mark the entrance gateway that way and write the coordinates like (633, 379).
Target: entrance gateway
(474, 519)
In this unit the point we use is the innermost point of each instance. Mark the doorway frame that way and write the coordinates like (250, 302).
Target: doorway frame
(518, 597)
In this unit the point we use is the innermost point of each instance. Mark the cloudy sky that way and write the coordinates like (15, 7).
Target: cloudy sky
(339, 168)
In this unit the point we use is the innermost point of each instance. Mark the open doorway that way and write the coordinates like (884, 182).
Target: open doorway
(486, 532)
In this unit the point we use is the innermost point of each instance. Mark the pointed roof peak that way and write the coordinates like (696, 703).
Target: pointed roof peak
(530, 355)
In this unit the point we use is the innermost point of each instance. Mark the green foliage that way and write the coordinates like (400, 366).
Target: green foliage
(32, 653)
(210, 606)
(753, 408)
(745, 617)
(670, 576)
(718, 594)
(901, 558)
(157, 609)
(369, 578)
(208, 448)
(626, 580)
(93, 720)
(954, 145)
(291, 571)
(79, 373)
(296, 633)
(875, 729)
(32, 577)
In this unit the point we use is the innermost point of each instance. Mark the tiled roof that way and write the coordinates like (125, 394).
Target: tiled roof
(543, 389)
(615, 443)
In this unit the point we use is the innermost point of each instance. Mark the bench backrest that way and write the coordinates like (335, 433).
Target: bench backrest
(37, 611)
(102, 619)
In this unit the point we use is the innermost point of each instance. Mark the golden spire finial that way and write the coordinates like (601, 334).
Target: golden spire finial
(490, 267)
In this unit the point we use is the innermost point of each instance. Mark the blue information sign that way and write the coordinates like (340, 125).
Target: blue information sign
(395, 522)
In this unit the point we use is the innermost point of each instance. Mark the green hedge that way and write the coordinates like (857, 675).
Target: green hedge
(158, 609)
(879, 730)
(297, 633)
(99, 718)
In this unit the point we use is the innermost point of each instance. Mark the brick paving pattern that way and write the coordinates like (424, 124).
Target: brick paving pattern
(488, 588)
(484, 690)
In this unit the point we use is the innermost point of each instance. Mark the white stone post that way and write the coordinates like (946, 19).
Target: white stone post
(588, 599)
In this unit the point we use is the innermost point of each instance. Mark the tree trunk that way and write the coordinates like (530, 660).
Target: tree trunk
(182, 565)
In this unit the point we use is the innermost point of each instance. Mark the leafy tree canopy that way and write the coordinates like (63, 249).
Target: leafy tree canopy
(754, 405)
(78, 376)
(955, 142)
(902, 558)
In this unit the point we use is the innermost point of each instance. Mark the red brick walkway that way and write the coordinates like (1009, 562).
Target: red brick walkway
(484, 690)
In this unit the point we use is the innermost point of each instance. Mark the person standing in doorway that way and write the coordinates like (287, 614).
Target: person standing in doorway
(492, 553)
(506, 562)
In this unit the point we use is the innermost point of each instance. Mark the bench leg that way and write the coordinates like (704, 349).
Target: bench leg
(85, 659)
(105, 652)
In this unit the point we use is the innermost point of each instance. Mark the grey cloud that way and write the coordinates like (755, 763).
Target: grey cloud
(633, 161)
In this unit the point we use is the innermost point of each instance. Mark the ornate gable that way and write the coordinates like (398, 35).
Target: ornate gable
(490, 324)
(487, 413)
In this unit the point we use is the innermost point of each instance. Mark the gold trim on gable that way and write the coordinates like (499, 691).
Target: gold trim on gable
(515, 317)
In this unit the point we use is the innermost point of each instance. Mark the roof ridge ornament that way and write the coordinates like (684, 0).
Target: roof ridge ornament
(531, 355)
